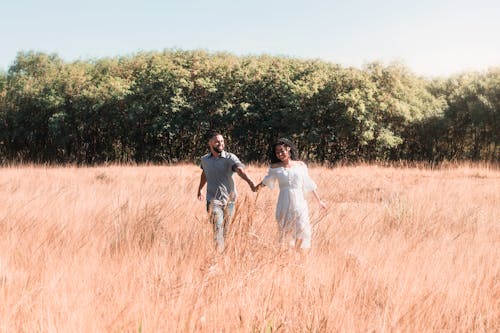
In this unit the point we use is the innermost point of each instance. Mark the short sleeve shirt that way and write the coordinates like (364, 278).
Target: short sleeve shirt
(219, 172)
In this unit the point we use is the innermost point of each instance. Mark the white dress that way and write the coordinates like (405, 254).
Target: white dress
(292, 213)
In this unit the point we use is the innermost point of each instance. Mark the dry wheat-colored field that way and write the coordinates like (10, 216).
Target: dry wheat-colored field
(129, 249)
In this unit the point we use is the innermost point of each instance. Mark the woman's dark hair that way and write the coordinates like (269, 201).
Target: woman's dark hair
(294, 155)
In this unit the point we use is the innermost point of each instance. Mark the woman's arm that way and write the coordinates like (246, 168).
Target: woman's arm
(268, 179)
(320, 202)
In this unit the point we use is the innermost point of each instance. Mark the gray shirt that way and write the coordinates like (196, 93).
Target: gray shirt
(219, 172)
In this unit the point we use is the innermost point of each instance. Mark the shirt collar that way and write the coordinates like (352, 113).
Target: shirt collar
(222, 154)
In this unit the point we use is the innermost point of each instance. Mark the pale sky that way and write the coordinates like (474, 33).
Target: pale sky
(432, 38)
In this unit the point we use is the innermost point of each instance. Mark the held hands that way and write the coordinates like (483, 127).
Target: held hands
(258, 187)
(255, 188)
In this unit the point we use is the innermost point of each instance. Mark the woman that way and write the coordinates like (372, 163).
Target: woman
(292, 213)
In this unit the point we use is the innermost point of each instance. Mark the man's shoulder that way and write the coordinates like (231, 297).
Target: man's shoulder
(229, 155)
(233, 158)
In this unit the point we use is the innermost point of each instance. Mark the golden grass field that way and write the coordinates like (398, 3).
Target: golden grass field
(129, 249)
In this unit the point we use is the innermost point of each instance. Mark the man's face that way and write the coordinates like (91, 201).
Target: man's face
(216, 143)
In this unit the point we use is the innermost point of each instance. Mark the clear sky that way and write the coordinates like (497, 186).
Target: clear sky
(432, 38)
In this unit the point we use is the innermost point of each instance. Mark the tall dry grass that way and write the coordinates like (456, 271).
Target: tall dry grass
(129, 249)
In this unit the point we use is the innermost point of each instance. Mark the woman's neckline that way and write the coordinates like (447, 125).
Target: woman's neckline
(289, 167)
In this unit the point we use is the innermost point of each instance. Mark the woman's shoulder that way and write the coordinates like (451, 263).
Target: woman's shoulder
(299, 163)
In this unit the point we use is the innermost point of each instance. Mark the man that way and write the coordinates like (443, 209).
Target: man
(218, 168)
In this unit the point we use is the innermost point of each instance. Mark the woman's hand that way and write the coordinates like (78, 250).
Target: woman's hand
(322, 204)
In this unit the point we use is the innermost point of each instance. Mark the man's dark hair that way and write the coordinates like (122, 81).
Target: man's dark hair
(294, 155)
(210, 134)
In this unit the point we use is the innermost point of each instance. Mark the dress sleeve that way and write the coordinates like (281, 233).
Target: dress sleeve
(270, 178)
(309, 184)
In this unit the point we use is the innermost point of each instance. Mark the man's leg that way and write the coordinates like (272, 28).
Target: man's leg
(228, 215)
(217, 220)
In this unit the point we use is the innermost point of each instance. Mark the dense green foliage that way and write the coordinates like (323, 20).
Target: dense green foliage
(158, 106)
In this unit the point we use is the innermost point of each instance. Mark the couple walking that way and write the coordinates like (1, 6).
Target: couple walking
(292, 213)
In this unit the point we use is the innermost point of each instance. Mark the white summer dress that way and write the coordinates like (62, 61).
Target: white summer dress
(292, 213)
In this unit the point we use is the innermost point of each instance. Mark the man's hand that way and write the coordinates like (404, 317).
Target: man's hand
(203, 181)
(258, 187)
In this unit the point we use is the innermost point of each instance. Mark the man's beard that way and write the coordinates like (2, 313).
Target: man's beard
(218, 149)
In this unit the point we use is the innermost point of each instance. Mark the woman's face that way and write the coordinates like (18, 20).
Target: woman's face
(282, 152)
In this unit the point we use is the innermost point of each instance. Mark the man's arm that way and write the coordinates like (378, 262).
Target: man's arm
(241, 172)
(203, 181)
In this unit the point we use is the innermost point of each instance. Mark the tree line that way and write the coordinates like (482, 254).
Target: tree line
(157, 107)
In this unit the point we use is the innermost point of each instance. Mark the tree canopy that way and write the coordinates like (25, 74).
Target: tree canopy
(157, 106)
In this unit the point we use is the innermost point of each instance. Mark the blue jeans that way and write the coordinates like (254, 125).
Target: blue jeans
(220, 216)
